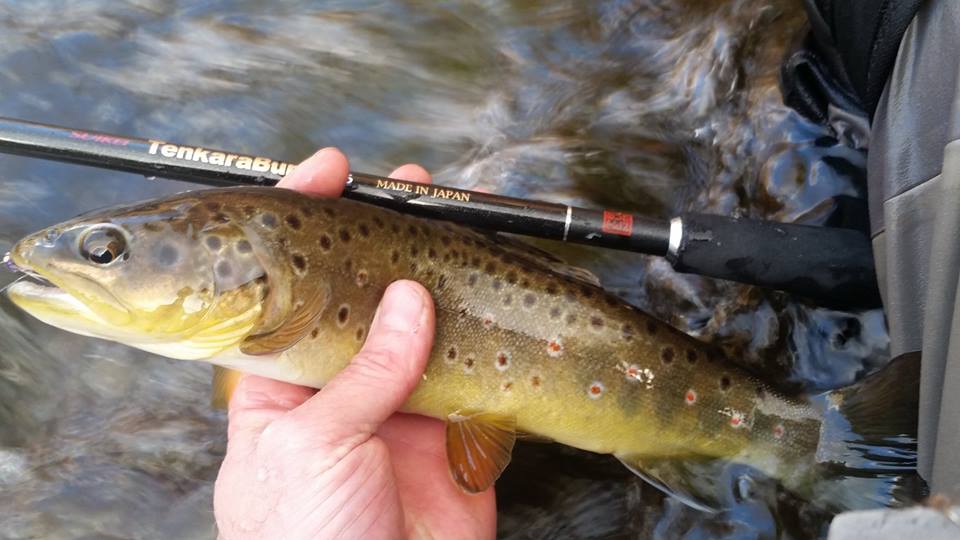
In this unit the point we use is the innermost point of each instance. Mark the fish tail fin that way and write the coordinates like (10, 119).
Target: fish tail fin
(867, 456)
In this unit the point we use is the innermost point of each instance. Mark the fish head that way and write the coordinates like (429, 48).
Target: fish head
(172, 273)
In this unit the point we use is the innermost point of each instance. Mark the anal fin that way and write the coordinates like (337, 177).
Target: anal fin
(694, 482)
(479, 447)
(224, 383)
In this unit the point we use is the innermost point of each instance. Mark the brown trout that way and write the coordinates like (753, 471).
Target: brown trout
(272, 282)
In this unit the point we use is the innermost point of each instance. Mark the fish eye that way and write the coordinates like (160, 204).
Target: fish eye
(103, 244)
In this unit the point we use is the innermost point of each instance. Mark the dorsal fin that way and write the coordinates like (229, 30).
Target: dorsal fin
(532, 255)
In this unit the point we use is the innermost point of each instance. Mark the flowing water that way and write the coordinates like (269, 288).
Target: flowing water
(655, 106)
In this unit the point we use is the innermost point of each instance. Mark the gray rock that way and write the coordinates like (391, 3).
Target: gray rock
(919, 523)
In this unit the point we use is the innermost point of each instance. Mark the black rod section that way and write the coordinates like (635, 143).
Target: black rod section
(212, 167)
(832, 266)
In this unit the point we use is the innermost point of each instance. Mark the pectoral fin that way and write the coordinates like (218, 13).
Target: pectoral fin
(694, 482)
(224, 383)
(478, 448)
(297, 324)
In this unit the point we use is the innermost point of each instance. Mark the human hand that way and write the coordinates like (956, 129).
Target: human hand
(341, 463)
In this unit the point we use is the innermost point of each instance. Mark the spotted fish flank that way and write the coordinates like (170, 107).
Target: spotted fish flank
(271, 282)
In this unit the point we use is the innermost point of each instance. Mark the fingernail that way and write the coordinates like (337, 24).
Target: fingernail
(401, 309)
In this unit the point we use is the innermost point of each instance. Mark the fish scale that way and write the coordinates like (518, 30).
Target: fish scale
(272, 282)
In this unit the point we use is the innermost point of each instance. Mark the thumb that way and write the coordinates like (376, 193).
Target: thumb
(382, 375)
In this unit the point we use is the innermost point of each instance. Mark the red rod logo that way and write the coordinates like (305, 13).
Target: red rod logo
(619, 223)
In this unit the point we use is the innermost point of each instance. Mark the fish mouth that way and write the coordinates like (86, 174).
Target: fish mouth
(45, 300)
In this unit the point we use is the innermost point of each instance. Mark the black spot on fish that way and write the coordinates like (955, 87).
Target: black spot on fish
(364, 230)
(344, 235)
(299, 262)
(554, 313)
(441, 281)
(325, 242)
(330, 212)
(535, 381)
(343, 314)
(314, 333)
(249, 211)
(552, 289)
(414, 251)
(497, 284)
(212, 206)
(691, 356)
(529, 300)
(761, 393)
(223, 269)
(394, 256)
(666, 355)
(268, 220)
(475, 262)
(512, 277)
(360, 332)
(412, 230)
(587, 292)
(348, 265)
(167, 255)
(214, 243)
(490, 267)
(525, 283)
(378, 222)
(452, 353)
(571, 318)
(651, 327)
(394, 228)
(611, 300)
(472, 279)
(446, 257)
(725, 383)
(596, 323)
(293, 222)
(244, 247)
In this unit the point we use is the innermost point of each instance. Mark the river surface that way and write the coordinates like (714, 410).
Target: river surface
(656, 106)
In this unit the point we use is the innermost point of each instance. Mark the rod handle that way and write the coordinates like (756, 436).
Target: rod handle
(829, 265)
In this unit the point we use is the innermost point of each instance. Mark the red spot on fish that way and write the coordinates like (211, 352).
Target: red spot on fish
(503, 360)
(736, 421)
(633, 372)
(690, 398)
(488, 320)
(595, 390)
(555, 348)
(778, 431)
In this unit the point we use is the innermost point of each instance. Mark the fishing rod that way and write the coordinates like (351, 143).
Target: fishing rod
(831, 266)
